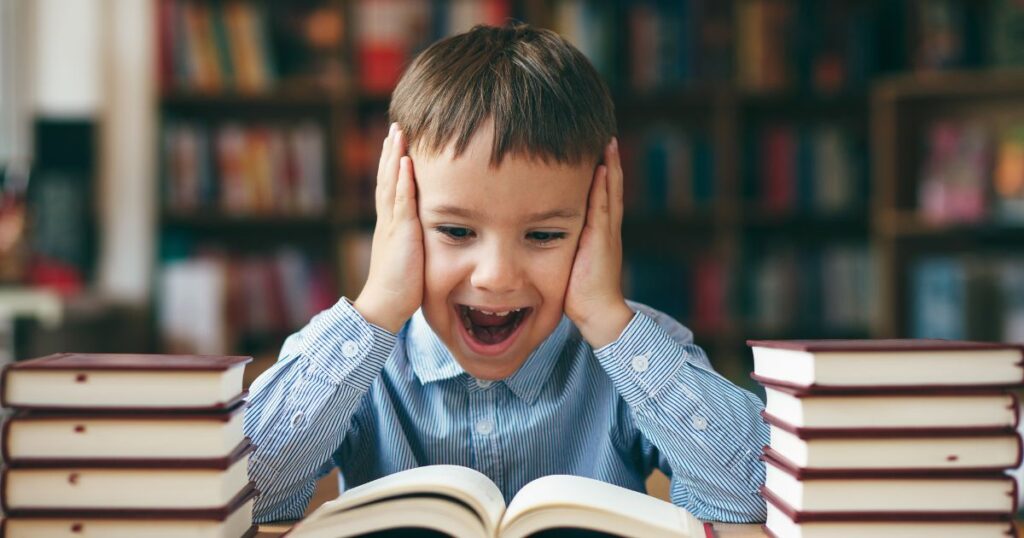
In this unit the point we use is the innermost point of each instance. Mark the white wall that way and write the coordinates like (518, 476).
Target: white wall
(68, 61)
(127, 163)
(15, 51)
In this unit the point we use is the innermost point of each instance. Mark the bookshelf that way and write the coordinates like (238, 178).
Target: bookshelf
(770, 187)
(975, 252)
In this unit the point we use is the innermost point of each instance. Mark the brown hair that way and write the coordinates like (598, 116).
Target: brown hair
(546, 100)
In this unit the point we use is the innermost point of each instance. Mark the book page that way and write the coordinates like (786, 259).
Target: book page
(619, 510)
(462, 483)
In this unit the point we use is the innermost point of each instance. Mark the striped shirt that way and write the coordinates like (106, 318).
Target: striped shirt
(347, 393)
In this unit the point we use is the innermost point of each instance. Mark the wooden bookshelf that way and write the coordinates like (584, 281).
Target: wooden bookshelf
(903, 108)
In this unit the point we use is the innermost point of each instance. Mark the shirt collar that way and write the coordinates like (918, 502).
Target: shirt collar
(432, 361)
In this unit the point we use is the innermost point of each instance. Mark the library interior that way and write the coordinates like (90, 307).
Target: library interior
(198, 176)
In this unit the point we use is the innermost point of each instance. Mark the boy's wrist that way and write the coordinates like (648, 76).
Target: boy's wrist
(376, 315)
(606, 324)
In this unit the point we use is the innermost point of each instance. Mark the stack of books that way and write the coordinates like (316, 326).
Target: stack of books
(125, 445)
(890, 437)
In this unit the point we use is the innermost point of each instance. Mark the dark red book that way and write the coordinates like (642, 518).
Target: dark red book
(126, 435)
(95, 488)
(912, 411)
(784, 521)
(82, 381)
(821, 366)
(908, 494)
(232, 519)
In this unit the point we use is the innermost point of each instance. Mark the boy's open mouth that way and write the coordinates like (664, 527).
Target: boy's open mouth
(489, 327)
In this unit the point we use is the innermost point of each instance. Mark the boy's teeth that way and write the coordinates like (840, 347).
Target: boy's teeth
(489, 313)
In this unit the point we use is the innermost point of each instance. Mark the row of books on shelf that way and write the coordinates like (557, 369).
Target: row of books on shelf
(812, 46)
(389, 32)
(817, 168)
(245, 169)
(677, 44)
(823, 291)
(827, 290)
(978, 297)
(973, 171)
(211, 302)
(955, 34)
(215, 46)
(764, 45)
(670, 170)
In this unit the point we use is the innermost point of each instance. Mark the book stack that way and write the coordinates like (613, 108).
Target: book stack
(890, 437)
(125, 446)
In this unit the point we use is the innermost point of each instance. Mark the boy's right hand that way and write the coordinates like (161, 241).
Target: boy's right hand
(394, 286)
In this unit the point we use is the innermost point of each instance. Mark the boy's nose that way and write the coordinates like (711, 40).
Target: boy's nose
(497, 272)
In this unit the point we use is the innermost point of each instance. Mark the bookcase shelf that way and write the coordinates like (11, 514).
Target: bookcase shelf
(218, 221)
(908, 225)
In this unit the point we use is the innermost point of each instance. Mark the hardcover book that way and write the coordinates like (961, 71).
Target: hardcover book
(858, 409)
(130, 434)
(887, 365)
(903, 493)
(940, 452)
(232, 520)
(785, 522)
(459, 501)
(96, 382)
(107, 488)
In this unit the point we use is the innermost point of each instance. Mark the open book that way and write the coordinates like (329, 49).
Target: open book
(459, 501)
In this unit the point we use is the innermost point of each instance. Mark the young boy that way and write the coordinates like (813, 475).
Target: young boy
(492, 331)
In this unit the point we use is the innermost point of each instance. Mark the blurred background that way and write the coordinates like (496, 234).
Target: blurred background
(197, 175)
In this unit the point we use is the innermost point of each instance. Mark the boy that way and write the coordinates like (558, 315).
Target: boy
(492, 331)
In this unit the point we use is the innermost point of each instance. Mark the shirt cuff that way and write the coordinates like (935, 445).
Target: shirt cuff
(344, 346)
(642, 360)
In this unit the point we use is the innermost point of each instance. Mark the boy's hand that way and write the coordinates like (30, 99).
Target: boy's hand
(593, 298)
(394, 287)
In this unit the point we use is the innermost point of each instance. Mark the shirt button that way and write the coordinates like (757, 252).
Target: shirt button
(484, 383)
(699, 422)
(639, 363)
(484, 427)
(297, 419)
(349, 349)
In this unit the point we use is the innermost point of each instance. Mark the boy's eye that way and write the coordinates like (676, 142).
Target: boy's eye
(455, 232)
(545, 237)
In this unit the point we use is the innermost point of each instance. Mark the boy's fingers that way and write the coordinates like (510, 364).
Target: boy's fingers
(405, 191)
(615, 183)
(390, 177)
(384, 152)
(597, 212)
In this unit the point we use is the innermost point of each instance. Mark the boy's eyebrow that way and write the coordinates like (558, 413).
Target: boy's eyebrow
(562, 213)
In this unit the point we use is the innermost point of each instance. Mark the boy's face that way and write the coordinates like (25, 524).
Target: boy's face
(497, 240)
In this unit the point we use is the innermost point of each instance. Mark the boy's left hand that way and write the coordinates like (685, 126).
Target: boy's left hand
(593, 298)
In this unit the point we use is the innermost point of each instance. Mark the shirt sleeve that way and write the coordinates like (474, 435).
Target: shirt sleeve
(301, 408)
(708, 429)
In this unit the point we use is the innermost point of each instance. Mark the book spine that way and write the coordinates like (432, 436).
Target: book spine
(5, 439)
(4, 380)
(4, 482)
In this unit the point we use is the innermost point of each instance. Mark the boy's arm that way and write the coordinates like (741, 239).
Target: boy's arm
(708, 429)
(301, 408)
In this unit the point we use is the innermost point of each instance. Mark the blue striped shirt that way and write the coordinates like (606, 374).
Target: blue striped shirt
(348, 393)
